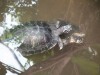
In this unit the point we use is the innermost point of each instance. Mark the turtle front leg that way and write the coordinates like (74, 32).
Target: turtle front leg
(60, 43)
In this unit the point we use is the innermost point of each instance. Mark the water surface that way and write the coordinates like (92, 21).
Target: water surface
(84, 13)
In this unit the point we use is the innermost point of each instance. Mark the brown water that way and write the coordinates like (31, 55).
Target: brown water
(77, 60)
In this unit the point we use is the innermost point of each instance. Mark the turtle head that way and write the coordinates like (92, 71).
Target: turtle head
(72, 33)
(76, 37)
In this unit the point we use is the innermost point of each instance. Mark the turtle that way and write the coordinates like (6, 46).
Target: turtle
(40, 36)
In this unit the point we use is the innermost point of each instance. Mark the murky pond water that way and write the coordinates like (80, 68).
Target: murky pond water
(74, 59)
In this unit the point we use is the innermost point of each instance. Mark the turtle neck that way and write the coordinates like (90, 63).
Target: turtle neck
(62, 29)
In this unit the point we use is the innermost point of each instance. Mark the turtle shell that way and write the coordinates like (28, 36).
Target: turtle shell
(37, 38)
